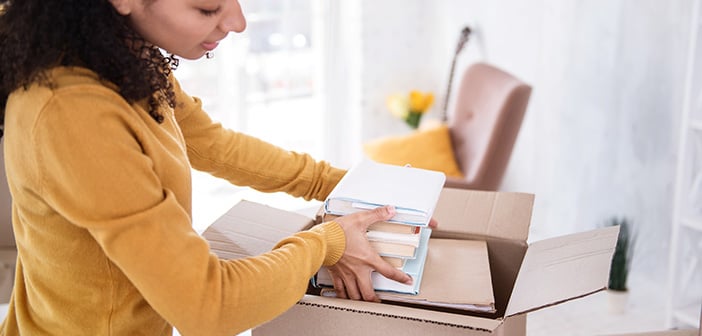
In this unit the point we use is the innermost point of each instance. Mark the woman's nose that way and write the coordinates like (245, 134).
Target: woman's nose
(234, 19)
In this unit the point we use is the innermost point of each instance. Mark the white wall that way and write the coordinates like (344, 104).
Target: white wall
(600, 136)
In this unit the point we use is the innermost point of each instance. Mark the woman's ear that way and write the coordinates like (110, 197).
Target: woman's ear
(123, 7)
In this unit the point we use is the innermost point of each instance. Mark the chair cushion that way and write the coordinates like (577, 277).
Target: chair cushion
(426, 148)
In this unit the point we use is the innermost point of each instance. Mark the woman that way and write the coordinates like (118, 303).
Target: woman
(99, 143)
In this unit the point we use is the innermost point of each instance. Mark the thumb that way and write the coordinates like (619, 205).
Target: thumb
(379, 214)
(382, 213)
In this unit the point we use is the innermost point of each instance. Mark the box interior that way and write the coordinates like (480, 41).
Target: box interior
(501, 219)
(562, 268)
(505, 258)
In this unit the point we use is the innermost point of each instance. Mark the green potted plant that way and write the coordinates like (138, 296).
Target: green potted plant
(621, 264)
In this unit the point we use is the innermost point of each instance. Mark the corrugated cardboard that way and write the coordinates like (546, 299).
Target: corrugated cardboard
(326, 316)
(239, 232)
(525, 277)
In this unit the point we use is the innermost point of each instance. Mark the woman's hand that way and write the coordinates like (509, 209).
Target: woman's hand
(352, 273)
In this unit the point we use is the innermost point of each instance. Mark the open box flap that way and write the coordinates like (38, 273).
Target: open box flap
(399, 312)
(497, 214)
(558, 269)
(250, 229)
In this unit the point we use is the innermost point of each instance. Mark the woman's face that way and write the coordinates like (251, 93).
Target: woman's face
(187, 28)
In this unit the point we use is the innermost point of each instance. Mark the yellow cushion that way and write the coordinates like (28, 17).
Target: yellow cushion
(426, 148)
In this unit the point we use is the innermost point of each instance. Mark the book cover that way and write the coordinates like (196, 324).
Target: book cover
(387, 249)
(395, 261)
(413, 191)
(391, 237)
(394, 244)
(394, 228)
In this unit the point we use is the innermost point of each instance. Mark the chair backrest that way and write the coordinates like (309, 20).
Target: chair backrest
(7, 239)
(489, 109)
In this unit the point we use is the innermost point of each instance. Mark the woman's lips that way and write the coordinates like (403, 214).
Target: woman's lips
(209, 45)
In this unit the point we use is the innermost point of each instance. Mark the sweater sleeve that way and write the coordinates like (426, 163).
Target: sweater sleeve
(247, 161)
(97, 174)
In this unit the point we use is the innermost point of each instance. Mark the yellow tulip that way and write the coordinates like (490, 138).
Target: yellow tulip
(398, 104)
(420, 102)
(410, 107)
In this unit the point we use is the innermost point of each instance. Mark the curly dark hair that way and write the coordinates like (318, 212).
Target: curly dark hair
(37, 35)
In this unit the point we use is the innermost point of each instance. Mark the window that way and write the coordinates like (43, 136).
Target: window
(263, 82)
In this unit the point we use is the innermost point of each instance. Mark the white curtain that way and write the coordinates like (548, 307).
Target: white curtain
(340, 34)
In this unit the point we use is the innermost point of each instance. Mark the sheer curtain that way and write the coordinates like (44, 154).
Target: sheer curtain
(340, 80)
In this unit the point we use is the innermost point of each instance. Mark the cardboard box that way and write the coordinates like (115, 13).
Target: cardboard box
(526, 277)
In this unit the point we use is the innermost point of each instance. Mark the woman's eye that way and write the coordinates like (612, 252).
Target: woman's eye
(210, 12)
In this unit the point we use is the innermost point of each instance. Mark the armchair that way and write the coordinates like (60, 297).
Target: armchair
(484, 124)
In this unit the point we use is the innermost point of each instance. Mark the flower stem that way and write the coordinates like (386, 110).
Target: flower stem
(413, 118)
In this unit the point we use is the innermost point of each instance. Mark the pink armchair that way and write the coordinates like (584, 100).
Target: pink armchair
(484, 124)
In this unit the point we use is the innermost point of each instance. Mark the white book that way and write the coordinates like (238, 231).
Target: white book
(413, 191)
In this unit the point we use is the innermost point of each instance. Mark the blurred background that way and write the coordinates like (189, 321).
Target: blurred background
(606, 134)
(613, 128)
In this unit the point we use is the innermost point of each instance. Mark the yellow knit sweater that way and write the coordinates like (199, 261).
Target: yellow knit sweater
(102, 217)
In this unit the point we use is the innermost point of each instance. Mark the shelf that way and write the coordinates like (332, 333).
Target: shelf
(689, 315)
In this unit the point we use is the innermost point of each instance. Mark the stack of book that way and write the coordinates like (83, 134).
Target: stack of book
(394, 242)
(403, 240)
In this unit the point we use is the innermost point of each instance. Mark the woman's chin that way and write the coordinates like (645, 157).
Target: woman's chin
(191, 56)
